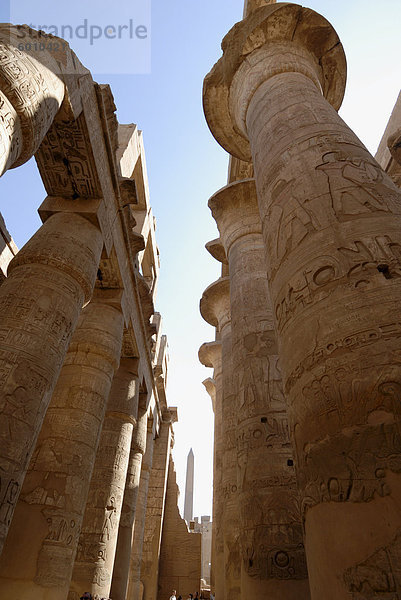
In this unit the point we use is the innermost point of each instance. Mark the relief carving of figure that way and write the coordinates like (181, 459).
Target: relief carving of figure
(353, 186)
(109, 519)
(289, 220)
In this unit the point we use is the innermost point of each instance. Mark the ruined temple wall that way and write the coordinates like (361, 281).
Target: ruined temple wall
(180, 555)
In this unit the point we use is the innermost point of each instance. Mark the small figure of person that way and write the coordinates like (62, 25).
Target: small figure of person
(179, 598)
(86, 596)
(196, 596)
(173, 595)
(190, 597)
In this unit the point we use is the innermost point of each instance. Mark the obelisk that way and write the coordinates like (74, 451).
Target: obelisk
(189, 489)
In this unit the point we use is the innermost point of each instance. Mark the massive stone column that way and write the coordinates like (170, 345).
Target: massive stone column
(134, 582)
(331, 226)
(31, 93)
(155, 511)
(271, 535)
(39, 553)
(40, 301)
(126, 529)
(215, 309)
(210, 356)
(94, 562)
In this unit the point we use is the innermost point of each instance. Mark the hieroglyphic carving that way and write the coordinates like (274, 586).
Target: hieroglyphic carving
(357, 265)
(290, 219)
(345, 469)
(357, 186)
(39, 304)
(35, 94)
(58, 477)
(350, 342)
(100, 523)
(66, 162)
(270, 540)
(379, 576)
(10, 134)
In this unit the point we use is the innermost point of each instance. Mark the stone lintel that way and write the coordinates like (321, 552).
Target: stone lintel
(216, 249)
(130, 346)
(276, 23)
(215, 303)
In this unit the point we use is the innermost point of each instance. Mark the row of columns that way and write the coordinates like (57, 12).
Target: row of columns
(311, 373)
(80, 446)
(80, 411)
(80, 465)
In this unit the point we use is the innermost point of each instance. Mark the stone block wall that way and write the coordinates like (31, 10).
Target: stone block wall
(180, 556)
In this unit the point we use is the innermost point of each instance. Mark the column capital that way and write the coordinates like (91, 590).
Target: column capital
(210, 355)
(274, 39)
(236, 212)
(215, 303)
(216, 249)
(210, 386)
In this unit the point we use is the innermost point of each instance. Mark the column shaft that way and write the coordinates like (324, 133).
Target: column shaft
(128, 511)
(38, 560)
(218, 501)
(331, 224)
(215, 309)
(134, 584)
(40, 302)
(98, 539)
(155, 512)
(230, 513)
(271, 535)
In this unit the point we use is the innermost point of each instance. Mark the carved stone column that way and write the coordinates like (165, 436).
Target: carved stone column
(31, 93)
(40, 301)
(134, 583)
(155, 512)
(271, 535)
(332, 232)
(215, 309)
(94, 562)
(210, 356)
(39, 553)
(128, 511)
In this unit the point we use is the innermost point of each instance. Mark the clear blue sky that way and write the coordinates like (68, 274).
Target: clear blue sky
(186, 166)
